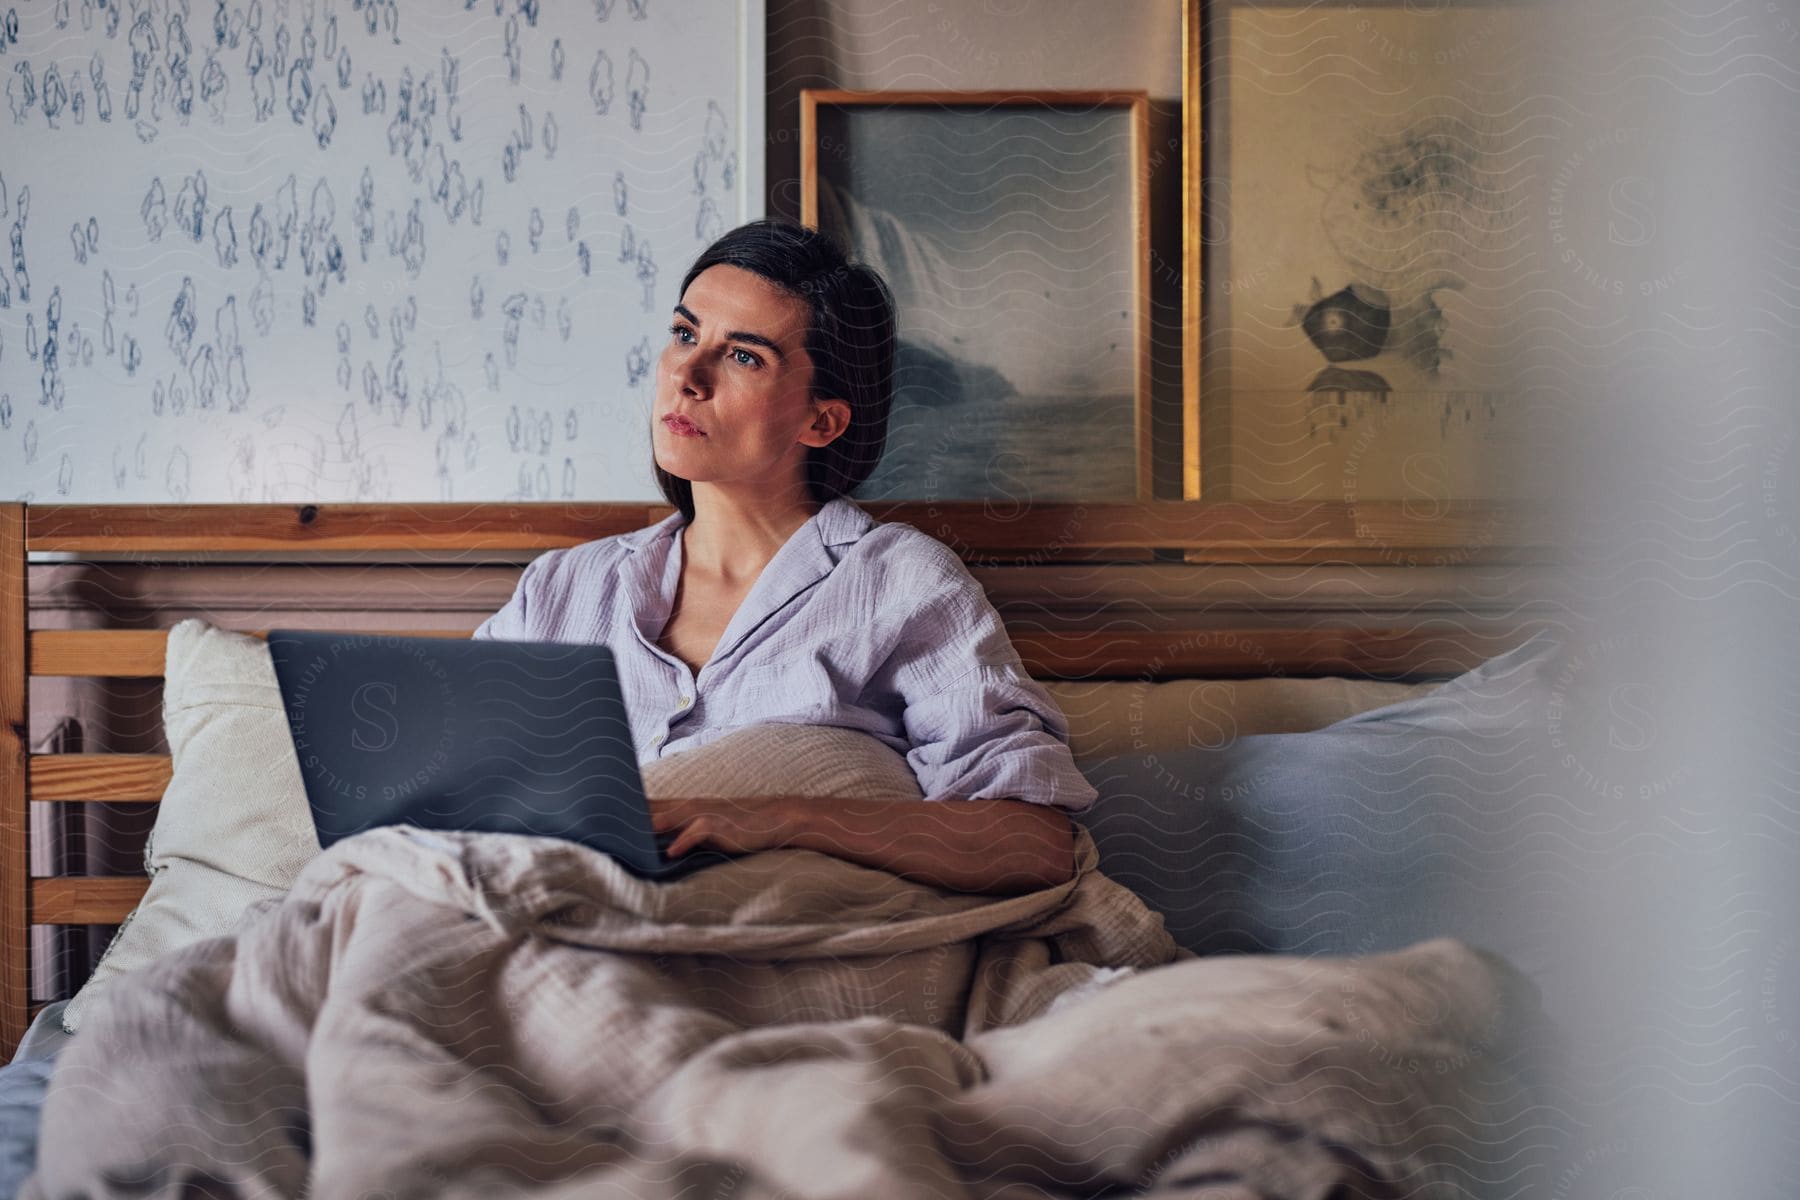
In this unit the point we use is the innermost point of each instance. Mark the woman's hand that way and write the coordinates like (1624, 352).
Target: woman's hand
(738, 826)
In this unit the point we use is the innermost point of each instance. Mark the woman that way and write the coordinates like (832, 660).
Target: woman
(768, 596)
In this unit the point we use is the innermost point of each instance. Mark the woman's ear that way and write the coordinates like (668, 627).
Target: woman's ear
(831, 417)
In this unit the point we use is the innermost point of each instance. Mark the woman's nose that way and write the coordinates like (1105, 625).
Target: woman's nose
(690, 376)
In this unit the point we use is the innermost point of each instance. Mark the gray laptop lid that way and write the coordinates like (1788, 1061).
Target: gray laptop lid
(465, 734)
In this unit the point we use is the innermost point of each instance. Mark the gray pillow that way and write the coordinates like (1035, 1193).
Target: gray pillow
(1395, 825)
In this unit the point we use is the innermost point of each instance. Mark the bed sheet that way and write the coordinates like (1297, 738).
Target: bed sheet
(23, 1084)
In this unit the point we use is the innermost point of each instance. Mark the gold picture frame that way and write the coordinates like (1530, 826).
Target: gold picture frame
(1351, 206)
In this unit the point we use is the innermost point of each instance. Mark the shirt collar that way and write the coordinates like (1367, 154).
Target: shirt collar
(837, 522)
(802, 561)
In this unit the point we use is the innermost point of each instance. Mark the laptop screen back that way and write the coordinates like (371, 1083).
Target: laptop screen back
(474, 735)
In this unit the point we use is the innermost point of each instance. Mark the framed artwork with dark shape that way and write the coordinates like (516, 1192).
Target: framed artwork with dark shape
(1012, 228)
(1365, 222)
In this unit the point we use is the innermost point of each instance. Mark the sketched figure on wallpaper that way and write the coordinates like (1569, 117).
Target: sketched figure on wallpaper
(262, 305)
(512, 52)
(287, 218)
(708, 224)
(374, 96)
(225, 242)
(600, 83)
(17, 237)
(21, 92)
(324, 119)
(102, 92)
(190, 206)
(514, 308)
(637, 363)
(382, 14)
(457, 197)
(646, 273)
(215, 89)
(259, 235)
(55, 96)
(179, 329)
(637, 88)
(362, 214)
(371, 382)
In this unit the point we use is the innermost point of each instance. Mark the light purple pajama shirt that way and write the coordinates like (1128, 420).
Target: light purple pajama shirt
(877, 627)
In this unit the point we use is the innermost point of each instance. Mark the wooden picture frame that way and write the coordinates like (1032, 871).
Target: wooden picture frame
(993, 330)
(1351, 209)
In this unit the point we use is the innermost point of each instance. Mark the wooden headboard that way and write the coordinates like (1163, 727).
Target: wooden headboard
(1090, 537)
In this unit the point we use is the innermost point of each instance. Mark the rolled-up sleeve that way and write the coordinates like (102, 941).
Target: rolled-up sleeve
(980, 727)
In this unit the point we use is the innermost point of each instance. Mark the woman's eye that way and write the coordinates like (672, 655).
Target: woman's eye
(682, 333)
(746, 359)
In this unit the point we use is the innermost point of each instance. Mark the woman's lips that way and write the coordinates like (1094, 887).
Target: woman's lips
(682, 427)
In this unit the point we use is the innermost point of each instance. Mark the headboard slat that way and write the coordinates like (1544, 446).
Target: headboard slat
(110, 778)
(85, 899)
(1417, 652)
(1374, 531)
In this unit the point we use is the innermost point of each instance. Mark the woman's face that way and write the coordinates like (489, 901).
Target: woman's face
(733, 385)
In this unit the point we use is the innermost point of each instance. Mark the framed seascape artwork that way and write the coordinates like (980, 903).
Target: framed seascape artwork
(1363, 204)
(1012, 228)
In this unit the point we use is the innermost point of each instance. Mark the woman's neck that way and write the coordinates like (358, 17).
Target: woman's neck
(733, 535)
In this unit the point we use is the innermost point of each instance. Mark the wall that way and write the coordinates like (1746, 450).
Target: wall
(274, 250)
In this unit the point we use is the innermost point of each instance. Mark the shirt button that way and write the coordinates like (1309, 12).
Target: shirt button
(685, 701)
(657, 740)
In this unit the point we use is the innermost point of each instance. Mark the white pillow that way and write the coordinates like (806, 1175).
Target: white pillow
(234, 826)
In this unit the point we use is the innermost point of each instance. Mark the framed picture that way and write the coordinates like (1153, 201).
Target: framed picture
(1360, 207)
(1013, 229)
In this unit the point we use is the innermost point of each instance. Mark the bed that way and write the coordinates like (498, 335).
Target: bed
(1278, 680)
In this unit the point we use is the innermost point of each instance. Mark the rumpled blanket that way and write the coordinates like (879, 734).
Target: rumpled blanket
(462, 1015)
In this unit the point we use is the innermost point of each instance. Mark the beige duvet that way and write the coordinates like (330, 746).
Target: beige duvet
(460, 1015)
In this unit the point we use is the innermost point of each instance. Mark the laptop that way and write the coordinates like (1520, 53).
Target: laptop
(474, 735)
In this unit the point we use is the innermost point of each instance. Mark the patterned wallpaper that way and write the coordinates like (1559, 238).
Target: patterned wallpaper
(355, 250)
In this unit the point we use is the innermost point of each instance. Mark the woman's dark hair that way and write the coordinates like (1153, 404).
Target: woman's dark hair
(850, 340)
